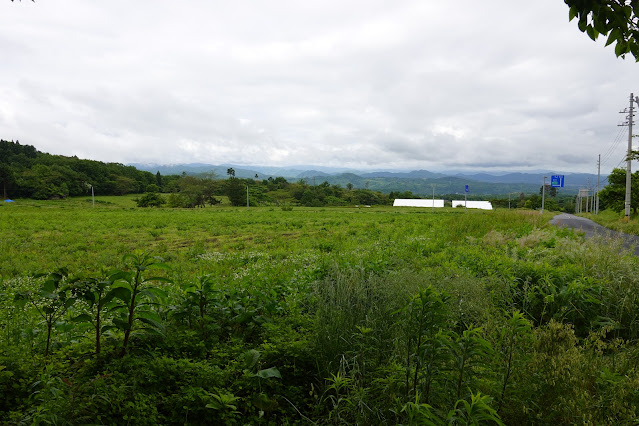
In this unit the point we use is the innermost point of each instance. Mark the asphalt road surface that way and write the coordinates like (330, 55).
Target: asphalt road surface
(590, 229)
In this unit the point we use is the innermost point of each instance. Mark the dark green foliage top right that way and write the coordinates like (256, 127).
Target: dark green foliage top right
(616, 19)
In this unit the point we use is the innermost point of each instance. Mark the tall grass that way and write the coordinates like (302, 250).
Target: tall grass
(615, 220)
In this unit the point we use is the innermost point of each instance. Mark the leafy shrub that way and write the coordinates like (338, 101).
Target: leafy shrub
(151, 199)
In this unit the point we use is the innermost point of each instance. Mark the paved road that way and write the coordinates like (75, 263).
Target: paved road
(591, 229)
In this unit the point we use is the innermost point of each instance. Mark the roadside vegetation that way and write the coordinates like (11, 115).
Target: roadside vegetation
(298, 315)
(615, 220)
(612, 204)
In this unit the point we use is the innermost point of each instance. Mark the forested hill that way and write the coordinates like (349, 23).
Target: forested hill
(29, 173)
(425, 186)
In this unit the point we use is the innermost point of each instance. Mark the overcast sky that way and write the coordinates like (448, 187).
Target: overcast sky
(424, 84)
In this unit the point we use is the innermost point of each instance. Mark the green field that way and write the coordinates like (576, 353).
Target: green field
(310, 315)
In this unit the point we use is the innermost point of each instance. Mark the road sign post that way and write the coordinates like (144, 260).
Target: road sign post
(465, 197)
(543, 194)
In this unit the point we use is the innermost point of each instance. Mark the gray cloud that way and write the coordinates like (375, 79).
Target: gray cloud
(371, 84)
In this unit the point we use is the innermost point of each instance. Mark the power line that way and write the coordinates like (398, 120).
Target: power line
(603, 159)
(615, 143)
(604, 179)
(613, 146)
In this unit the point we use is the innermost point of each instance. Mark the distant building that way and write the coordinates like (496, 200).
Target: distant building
(407, 202)
(482, 205)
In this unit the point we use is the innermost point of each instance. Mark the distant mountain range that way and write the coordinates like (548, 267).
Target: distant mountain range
(420, 182)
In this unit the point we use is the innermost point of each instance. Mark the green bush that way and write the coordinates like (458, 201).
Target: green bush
(151, 199)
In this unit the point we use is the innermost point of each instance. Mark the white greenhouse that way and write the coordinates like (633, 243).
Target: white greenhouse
(407, 202)
(483, 205)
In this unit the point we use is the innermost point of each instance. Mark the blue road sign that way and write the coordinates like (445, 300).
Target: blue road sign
(557, 181)
(466, 188)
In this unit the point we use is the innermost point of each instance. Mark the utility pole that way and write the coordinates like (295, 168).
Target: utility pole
(588, 199)
(598, 175)
(630, 118)
(86, 185)
(628, 167)
(465, 198)
(433, 206)
(543, 194)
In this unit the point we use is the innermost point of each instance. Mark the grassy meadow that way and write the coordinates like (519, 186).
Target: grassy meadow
(221, 315)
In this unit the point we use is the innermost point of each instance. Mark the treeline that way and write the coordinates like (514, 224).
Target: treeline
(553, 201)
(28, 173)
(424, 186)
(198, 191)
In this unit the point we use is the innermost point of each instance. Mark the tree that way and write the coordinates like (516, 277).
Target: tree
(196, 191)
(192, 189)
(6, 177)
(124, 185)
(152, 188)
(44, 182)
(151, 199)
(275, 184)
(177, 200)
(534, 202)
(551, 191)
(235, 191)
(617, 19)
(613, 196)
(209, 188)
